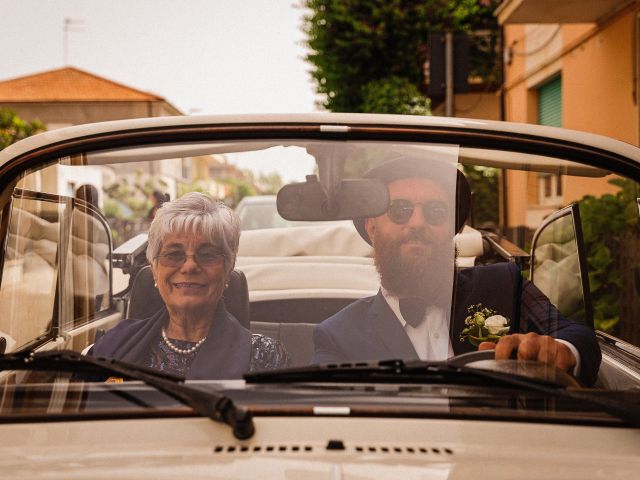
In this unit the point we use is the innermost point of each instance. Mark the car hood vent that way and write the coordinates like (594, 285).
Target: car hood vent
(264, 448)
(334, 446)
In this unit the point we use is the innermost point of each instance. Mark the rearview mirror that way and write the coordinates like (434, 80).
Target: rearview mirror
(352, 199)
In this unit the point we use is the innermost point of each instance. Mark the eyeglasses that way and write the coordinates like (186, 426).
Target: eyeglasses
(177, 259)
(434, 212)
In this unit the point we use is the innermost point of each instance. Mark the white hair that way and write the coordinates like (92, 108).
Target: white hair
(198, 214)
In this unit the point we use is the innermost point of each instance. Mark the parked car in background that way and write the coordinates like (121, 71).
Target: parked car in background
(67, 414)
(259, 211)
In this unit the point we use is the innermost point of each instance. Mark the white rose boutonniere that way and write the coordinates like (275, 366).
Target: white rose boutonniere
(483, 325)
(497, 325)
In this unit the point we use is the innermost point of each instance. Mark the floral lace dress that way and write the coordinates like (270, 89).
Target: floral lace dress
(266, 354)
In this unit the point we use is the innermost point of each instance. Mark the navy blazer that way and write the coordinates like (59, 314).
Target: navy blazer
(225, 354)
(368, 330)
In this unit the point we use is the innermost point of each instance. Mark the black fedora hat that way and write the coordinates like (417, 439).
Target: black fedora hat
(412, 167)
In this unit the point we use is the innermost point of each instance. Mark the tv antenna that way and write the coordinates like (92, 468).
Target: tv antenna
(69, 25)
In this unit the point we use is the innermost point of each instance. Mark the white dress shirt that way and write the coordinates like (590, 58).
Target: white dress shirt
(430, 339)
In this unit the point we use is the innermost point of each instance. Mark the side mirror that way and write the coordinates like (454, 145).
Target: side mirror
(351, 199)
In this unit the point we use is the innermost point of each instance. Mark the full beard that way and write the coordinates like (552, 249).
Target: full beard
(427, 274)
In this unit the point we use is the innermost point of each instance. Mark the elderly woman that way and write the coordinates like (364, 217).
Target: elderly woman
(192, 249)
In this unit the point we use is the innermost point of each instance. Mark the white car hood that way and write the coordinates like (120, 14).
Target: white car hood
(291, 448)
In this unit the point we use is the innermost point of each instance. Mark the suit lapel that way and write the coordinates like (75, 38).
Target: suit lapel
(389, 332)
(462, 289)
(480, 285)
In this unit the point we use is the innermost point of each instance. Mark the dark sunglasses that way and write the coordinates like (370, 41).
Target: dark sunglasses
(204, 259)
(434, 212)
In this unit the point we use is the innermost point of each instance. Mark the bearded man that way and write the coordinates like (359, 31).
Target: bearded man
(411, 316)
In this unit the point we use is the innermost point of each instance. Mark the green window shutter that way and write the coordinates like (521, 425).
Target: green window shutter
(550, 103)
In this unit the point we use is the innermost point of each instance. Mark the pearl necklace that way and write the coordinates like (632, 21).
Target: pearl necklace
(181, 351)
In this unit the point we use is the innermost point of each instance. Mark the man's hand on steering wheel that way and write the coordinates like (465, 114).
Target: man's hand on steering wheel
(531, 346)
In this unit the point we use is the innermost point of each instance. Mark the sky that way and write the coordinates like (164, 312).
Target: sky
(202, 56)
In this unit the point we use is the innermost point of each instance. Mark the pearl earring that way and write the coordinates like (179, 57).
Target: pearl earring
(155, 284)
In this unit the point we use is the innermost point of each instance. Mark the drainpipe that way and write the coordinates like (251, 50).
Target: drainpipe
(502, 74)
(448, 55)
(503, 214)
(636, 70)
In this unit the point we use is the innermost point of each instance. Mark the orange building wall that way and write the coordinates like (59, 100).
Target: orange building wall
(518, 108)
(514, 38)
(596, 63)
(597, 83)
(516, 207)
(485, 106)
(532, 188)
(517, 102)
(575, 188)
(575, 32)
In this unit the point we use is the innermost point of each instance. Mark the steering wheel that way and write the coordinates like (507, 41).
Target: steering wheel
(475, 356)
(485, 359)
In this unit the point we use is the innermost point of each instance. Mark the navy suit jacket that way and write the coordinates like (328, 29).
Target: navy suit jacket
(225, 354)
(368, 330)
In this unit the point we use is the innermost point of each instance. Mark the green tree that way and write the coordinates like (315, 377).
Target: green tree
(394, 95)
(484, 183)
(369, 56)
(129, 199)
(612, 240)
(127, 204)
(364, 48)
(14, 128)
(240, 188)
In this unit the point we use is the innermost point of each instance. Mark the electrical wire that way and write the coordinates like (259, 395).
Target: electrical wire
(539, 48)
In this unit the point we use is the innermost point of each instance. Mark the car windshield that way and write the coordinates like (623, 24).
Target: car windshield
(178, 256)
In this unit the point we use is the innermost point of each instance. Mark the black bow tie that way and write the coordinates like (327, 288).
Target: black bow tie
(412, 309)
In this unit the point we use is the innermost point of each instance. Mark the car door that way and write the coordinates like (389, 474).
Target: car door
(55, 273)
(559, 267)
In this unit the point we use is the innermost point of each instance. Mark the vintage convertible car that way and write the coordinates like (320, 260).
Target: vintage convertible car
(560, 208)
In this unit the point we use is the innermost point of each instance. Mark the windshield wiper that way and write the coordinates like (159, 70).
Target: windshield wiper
(398, 371)
(395, 371)
(212, 405)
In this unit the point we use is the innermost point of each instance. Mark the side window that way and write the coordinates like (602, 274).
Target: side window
(51, 238)
(29, 272)
(87, 268)
(558, 266)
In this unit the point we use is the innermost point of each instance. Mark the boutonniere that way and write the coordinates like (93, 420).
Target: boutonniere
(483, 325)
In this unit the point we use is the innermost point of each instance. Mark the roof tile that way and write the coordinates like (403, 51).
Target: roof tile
(69, 84)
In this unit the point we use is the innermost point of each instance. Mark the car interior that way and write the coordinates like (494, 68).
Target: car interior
(271, 291)
(284, 301)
